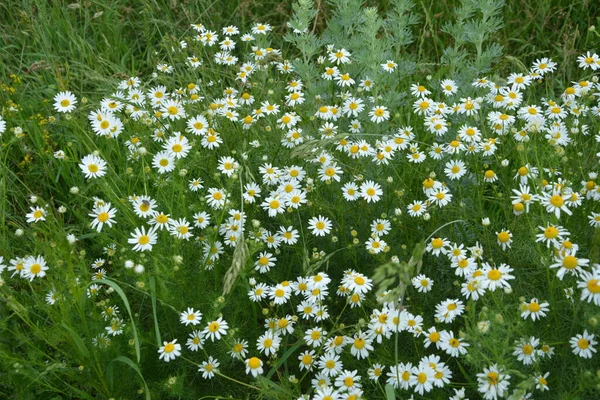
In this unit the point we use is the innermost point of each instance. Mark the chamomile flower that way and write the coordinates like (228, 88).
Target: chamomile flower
(583, 345)
(589, 282)
(34, 267)
(195, 341)
(169, 351)
(449, 309)
(422, 378)
(449, 87)
(555, 202)
(319, 226)
(534, 309)
(389, 66)
(93, 166)
(143, 240)
(504, 239)
(216, 329)
(379, 114)
(209, 368)
(190, 317)
(65, 102)
(567, 262)
(268, 343)
(101, 215)
(422, 283)
(497, 277)
(36, 214)
(493, 382)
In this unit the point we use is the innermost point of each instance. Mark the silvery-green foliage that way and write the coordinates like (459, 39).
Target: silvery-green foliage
(472, 53)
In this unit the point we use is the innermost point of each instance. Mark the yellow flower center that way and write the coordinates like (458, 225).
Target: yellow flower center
(169, 347)
(494, 274)
(35, 269)
(503, 237)
(557, 200)
(570, 262)
(593, 286)
(359, 343)
(254, 363)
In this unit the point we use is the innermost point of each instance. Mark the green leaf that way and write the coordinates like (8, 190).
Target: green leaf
(120, 292)
(153, 297)
(389, 392)
(133, 366)
(284, 358)
(78, 341)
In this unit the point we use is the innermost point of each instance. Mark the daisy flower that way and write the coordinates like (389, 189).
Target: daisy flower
(437, 246)
(361, 345)
(452, 345)
(164, 162)
(455, 169)
(589, 60)
(209, 367)
(555, 202)
(375, 245)
(583, 345)
(504, 239)
(422, 283)
(143, 240)
(195, 341)
(493, 382)
(449, 87)
(36, 214)
(103, 214)
(357, 282)
(417, 208)
(172, 109)
(379, 114)
(541, 382)
(371, 191)
(525, 350)
(350, 191)
(400, 376)
(215, 329)
(169, 350)
(93, 166)
(552, 235)
(534, 309)
(190, 317)
(497, 277)
(589, 282)
(320, 226)
(567, 262)
(389, 66)
(65, 102)
(330, 364)
(449, 309)
(268, 343)
(422, 378)
(34, 267)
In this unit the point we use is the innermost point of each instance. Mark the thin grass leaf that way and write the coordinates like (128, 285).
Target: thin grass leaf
(120, 292)
(78, 341)
(133, 366)
(153, 297)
